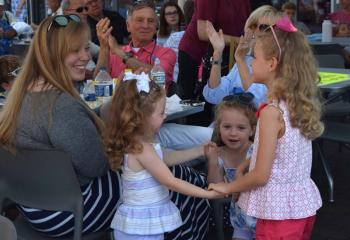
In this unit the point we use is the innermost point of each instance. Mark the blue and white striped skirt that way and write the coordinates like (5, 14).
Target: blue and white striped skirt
(100, 202)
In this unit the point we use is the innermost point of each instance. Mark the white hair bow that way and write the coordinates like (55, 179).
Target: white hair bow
(142, 80)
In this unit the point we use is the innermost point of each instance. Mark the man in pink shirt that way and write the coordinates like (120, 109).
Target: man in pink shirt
(141, 52)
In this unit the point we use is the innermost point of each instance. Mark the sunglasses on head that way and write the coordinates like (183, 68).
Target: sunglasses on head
(243, 98)
(15, 72)
(284, 24)
(265, 28)
(63, 20)
(147, 3)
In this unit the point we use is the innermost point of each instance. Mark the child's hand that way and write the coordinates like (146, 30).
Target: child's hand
(214, 194)
(222, 188)
(211, 151)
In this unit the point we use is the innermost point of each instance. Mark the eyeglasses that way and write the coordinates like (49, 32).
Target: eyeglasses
(63, 20)
(15, 72)
(140, 3)
(171, 13)
(79, 9)
(265, 28)
(244, 98)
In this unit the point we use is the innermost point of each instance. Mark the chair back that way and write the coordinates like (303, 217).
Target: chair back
(7, 229)
(43, 180)
(327, 48)
(330, 60)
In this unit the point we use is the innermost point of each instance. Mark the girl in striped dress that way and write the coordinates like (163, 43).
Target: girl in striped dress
(278, 190)
(145, 210)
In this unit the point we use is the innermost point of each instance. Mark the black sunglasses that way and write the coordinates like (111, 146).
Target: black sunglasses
(81, 9)
(244, 98)
(147, 3)
(63, 20)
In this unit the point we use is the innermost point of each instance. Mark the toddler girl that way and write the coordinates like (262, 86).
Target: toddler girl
(235, 125)
(278, 190)
(145, 210)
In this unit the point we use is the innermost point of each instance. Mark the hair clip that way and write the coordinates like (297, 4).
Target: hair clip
(286, 25)
(142, 79)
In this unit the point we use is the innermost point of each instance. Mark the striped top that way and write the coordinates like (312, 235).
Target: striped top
(145, 206)
(290, 192)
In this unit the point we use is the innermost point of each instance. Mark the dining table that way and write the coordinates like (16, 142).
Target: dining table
(334, 79)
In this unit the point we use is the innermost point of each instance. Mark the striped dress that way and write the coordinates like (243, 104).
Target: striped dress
(145, 207)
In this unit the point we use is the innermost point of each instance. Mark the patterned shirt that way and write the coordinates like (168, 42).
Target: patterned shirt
(289, 193)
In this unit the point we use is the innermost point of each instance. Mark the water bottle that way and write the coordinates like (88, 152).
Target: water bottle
(89, 94)
(103, 85)
(158, 73)
(327, 31)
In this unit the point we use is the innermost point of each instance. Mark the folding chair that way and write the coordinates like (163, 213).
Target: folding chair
(43, 180)
(330, 60)
(337, 132)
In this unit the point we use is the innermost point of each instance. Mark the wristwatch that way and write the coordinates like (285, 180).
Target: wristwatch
(126, 56)
(215, 62)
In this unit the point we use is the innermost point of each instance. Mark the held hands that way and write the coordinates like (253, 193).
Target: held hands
(216, 38)
(211, 194)
(222, 188)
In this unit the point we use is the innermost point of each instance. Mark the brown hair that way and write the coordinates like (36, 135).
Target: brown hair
(247, 109)
(128, 119)
(296, 78)
(164, 30)
(8, 63)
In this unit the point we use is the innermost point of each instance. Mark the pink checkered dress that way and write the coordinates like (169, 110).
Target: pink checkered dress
(290, 193)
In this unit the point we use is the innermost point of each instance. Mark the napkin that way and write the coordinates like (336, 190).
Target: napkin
(173, 104)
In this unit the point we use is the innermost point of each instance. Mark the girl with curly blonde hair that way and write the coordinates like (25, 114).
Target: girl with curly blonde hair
(278, 190)
(146, 210)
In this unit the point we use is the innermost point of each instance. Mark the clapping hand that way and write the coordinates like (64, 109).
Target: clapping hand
(103, 31)
(216, 38)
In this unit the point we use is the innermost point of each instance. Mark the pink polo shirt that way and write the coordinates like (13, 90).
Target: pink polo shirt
(166, 56)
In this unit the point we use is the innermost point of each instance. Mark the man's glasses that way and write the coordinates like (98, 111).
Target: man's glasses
(63, 20)
(243, 98)
(79, 9)
(171, 13)
(265, 28)
(15, 72)
(147, 3)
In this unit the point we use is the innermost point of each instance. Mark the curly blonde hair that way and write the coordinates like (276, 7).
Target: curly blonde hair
(296, 79)
(128, 120)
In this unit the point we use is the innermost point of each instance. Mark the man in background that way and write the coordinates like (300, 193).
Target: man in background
(96, 13)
